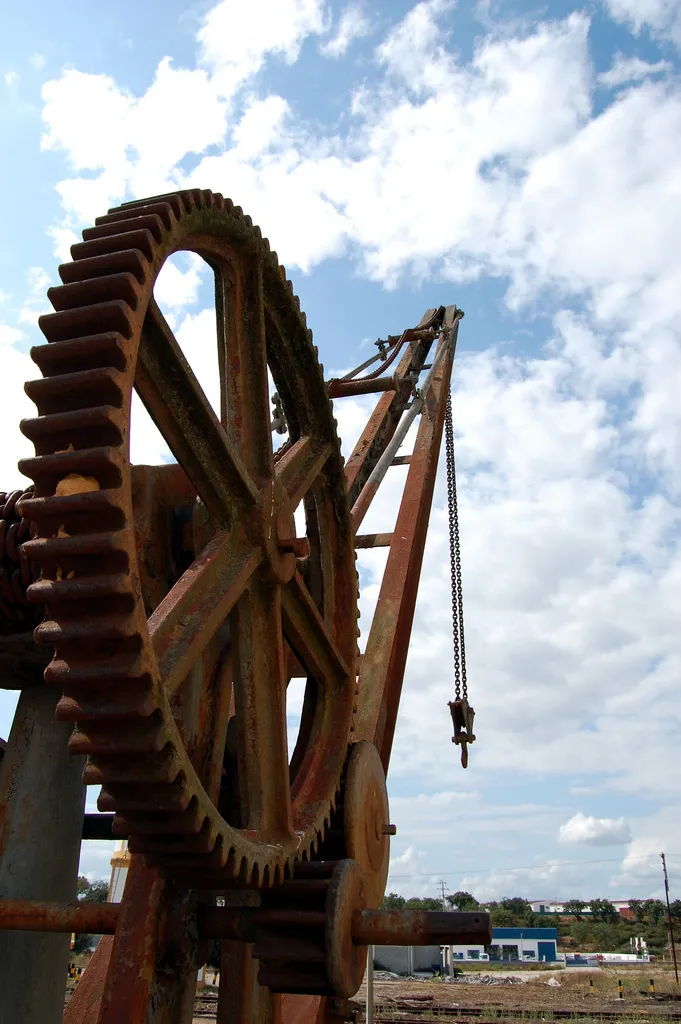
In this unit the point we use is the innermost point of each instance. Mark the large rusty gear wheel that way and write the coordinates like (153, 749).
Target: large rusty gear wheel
(119, 671)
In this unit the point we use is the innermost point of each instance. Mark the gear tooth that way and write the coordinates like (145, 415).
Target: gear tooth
(248, 221)
(266, 244)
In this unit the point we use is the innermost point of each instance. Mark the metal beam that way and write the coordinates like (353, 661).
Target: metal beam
(382, 674)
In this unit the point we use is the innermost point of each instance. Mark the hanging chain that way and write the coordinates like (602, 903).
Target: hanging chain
(455, 556)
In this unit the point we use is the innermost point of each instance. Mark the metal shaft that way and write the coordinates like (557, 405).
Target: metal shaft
(369, 927)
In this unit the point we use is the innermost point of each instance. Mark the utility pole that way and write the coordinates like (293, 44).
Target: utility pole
(669, 918)
(442, 891)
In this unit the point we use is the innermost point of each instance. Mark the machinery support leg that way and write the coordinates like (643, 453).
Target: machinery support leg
(41, 820)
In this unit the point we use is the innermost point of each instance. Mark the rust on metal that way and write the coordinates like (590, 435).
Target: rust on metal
(387, 646)
(347, 388)
(37, 916)
(420, 928)
(373, 540)
(180, 600)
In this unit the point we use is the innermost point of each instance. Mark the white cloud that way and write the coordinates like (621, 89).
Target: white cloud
(9, 335)
(37, 61)
(568, 452)
(4, 296)
(595, 831)
(235, 38)
(17, 367)
(631, 69)
(661, 17)
(11, 78)
(175, 287)
(353, 24)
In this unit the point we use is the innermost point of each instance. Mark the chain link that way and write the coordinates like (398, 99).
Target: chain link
(460, 680)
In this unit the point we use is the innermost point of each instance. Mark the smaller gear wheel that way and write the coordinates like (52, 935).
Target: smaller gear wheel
(366, 818)
(311, 949)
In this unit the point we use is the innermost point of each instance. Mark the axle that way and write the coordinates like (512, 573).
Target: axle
(369, 927)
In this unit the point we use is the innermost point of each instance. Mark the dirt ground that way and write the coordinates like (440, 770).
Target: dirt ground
(531, 992)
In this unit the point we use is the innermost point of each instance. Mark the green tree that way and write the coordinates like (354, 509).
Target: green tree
(89, 892)
(675, 907)
(92, 892)
(423, 903)
(655, 912)
(603, 910)
(636, 906)
(519, 909)
(501, 917)
(393, 901)
(575, 908)
(462, 901)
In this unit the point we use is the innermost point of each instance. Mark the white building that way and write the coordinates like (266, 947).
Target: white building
(554, 907)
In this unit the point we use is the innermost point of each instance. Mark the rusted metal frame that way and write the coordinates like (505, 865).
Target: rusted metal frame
(378, 473)
(345, 389)
(385, 417)
(130, 975)
(187, 618)
(373, 540)
(299, 467)
(369, 927)
(402, 460)
(380, 683)
(174, 399)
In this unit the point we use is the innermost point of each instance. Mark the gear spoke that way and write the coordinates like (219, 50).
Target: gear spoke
(260, 699)
(176, 402)
(241, 340)
(300, 466)
(309, 637)
(188, 617)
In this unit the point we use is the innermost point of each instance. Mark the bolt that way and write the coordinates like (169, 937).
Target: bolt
(389, 830)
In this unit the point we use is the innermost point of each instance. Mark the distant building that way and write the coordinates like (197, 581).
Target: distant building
(554, 907)
(530, 945)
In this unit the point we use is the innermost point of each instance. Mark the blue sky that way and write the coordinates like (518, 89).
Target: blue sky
(521, 160)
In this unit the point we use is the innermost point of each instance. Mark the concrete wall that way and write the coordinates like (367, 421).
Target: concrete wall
(396, 958)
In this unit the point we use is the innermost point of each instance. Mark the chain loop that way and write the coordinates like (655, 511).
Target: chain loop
(460, 681)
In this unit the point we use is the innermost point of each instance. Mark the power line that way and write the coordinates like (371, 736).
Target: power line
(525, 867)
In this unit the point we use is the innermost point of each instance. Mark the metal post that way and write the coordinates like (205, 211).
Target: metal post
(370, 986)
(41, 820)
(669, 918)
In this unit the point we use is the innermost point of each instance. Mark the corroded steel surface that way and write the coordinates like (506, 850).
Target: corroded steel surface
(37, 916)
(180, 602)
(385, 657)
(120, 672)
(420, 927)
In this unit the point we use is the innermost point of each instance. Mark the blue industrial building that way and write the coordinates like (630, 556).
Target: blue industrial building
(530, 945)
